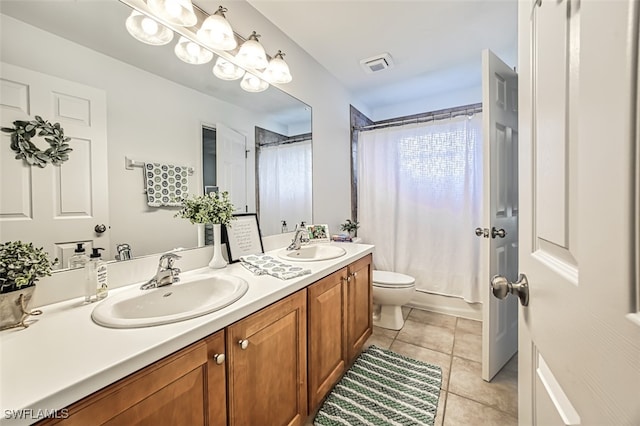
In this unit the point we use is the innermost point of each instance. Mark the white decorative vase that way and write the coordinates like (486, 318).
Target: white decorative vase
(217, 261)
(200, 227)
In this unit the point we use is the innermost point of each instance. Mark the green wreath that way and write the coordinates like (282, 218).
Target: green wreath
(58, 151)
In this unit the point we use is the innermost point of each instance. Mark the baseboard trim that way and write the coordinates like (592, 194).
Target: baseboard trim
(446, 305)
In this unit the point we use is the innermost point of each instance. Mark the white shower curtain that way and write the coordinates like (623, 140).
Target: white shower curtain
(419, 201)
(284, 173)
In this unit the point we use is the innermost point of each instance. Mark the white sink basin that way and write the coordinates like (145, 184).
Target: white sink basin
(197, 295)
(312, 253)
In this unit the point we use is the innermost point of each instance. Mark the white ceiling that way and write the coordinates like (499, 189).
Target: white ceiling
(436, 44)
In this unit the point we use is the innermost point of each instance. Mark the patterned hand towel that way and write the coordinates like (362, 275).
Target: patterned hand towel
(166, 184)
(261, 264)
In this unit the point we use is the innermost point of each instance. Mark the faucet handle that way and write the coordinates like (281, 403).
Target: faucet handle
(170, 258)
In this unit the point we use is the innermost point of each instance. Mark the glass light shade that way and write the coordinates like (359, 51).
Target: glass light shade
(278, 70)
(217, 32)
(191, 52)
(252, 54)
(177, 12)
(225, 70)
(252, 83)
(147, 30)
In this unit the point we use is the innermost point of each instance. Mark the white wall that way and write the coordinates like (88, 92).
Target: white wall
(450, 99)
(315, 86)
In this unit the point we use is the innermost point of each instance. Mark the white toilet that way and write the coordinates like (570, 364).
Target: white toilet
(391, 290)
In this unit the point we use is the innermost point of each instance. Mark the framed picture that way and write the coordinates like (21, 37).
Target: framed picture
(242, 236)
(318, 233)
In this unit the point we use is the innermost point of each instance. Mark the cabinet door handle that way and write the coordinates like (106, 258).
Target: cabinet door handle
(243, 343)
(355, 274)
(219, 358)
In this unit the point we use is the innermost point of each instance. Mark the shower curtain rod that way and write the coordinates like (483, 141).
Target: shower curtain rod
(429, 116)
(295, 139)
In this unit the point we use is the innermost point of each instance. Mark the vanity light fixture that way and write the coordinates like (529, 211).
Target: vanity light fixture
(177, 12)
(277, 71)
(192, 53)
(200, 42)
(147, 30)
(225, 70)
(252, 54)
(253, 83)
(217, 32)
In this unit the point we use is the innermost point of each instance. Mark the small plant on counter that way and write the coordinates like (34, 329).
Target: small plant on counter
(350, 226)
(213, 208)
(21, 265)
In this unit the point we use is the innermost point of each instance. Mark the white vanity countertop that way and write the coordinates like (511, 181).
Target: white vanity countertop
(64, 356)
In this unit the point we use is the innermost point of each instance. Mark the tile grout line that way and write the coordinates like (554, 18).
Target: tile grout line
(444, 408)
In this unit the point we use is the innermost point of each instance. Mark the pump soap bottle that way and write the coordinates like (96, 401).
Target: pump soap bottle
(98, 274)
(80, 260)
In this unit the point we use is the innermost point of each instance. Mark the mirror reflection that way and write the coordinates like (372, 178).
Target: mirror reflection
(127, 105)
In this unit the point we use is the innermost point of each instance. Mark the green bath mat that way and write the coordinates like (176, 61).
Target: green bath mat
(383, 388)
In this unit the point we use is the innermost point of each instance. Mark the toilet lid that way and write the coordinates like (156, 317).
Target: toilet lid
(392, 279)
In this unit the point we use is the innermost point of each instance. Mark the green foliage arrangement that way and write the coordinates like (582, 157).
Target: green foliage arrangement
(214, 207)
(350, 226)
(21, 265)
(21, 134)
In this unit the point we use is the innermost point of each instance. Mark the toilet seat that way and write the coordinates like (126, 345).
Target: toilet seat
(388, 279)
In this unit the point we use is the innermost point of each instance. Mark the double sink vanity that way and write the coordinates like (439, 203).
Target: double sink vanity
(219, 347)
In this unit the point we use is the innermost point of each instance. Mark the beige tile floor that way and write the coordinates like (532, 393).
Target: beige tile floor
(455, 344)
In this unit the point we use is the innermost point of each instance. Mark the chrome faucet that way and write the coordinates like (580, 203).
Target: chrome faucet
(124, 251)
(165, 275)
(300, 237)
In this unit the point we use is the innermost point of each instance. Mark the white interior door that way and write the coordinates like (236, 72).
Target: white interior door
(56, 206)
(231, 165)
(579, 338)
(500, 210)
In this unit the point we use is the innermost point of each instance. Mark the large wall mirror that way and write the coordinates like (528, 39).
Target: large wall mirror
(125, 104)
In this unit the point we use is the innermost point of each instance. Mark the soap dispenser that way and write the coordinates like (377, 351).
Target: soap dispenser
(97, 274)
(79, 258)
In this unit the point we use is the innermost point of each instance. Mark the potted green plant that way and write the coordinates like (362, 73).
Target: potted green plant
(21, 265)
(351, 227)
(215, 208)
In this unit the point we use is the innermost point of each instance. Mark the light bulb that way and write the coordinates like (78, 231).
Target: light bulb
(177, 12)
(149, 26)
(252, 83)
(225, 70)
(191, 52)
(147, 30)
(173, 8)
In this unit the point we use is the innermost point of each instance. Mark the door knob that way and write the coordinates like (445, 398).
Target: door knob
(244, 344)
(219, 358)
(501, 288)
(498, 232)
(482, 232)
(100, 228)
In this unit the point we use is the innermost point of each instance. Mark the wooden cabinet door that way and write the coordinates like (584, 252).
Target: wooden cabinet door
(267, 365)
(170, 391)
(359, 305)
(327, 334)
(216, 379)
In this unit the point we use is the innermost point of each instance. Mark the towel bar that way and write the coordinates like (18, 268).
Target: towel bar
(130, 164)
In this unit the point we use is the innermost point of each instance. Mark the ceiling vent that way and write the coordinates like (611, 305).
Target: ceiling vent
(377, 63)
